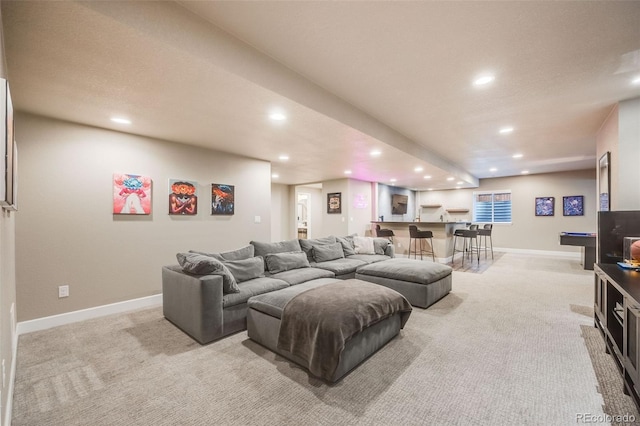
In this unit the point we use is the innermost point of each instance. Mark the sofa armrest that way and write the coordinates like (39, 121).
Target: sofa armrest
(390, 250)
(193, 303)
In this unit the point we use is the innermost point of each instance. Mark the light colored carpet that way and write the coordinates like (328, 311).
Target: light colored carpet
(504, 347)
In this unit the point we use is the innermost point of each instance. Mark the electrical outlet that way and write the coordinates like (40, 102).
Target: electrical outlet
(399, 245)
(63, 291)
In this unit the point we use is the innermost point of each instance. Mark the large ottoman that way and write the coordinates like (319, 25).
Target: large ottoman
(422, 283)
(327, 326)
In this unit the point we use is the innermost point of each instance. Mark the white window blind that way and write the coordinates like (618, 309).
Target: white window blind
(492, 207)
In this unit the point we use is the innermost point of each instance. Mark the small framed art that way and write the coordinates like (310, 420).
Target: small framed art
(183, 197)
(545, 206)
(334, 202)
(222, 199)
(131, 194)
(573, 205)
(604, 182)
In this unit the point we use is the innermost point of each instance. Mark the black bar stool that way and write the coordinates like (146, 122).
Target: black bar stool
(486, 232)
(416, 235)
(469, 236)
(384, 233)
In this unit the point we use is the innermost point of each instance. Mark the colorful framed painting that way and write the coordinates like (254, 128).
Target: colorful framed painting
(222, 199)
(131, 194)
(183, 197)
(334, 202)
(8, 150)
(545, 206)
(573, 205)
(604, 182)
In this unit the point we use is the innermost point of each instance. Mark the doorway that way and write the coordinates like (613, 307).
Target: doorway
(302, 213)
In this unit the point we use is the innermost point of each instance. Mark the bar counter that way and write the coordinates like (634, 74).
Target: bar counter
(442, 236)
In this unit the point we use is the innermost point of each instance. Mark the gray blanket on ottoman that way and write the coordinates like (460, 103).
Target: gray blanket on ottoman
(317, 323)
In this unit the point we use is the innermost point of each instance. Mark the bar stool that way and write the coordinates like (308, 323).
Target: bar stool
(468, 237)
(384, 233)
(416, 236)
(486, 232)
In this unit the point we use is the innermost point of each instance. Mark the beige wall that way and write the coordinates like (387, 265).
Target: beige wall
(66, 232)
(628, 168)
(7, 283)
(607, 140)
(281, 213)
(529, 232)
(620, 135)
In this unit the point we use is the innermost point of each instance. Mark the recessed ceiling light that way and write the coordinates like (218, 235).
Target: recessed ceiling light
(392, 180)
(517, 155)
(375, 153)
(120, 120)
(429, 189)
(459, 183)
(483, 80)
(283, 157)
(427, 177)
(493, 169)
(347, 172)
(506, 130)
(275, 175)
(636, 80)
(418, 169)
(525, 172)
(277, 116)
(457, 187)
(449, 178)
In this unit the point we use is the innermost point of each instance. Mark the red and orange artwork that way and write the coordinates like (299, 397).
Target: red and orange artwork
(131, 194)
(182, 197)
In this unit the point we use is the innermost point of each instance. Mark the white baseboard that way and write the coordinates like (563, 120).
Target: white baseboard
(84, 314)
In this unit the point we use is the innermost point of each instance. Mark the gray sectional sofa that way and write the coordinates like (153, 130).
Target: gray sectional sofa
(206, 294)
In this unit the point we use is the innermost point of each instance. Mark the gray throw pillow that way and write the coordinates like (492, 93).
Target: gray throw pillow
(246, 252)
(308, 245)
(327, 252)
(246, 269)
(263, 249)
(380, 245)
(347, 245)
(199, 264)
(280, 262)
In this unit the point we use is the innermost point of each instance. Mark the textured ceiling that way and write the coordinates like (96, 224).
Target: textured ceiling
(350, 76)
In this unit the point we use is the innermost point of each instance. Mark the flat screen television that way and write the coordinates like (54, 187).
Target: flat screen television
(399, 204)
(612, 228)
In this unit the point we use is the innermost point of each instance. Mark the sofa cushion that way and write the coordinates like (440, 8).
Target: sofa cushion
(364, 245)
(200, 264)
(301, 275)
(263, 249)
(308, 245)
(327, 252)
(246, 269)
(246, 252)
(369, 258)
(347, 245)
(340, 266)
(280, 262)
(252, 288)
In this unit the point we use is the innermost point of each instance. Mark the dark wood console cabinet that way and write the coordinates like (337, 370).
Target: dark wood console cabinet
(617, 316)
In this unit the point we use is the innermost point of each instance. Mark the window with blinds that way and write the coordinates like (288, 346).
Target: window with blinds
(492, 207)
